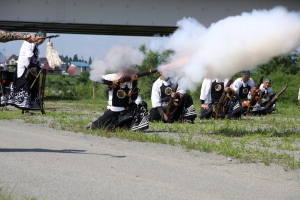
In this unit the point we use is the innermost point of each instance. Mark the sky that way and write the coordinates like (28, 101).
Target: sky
(85, 46)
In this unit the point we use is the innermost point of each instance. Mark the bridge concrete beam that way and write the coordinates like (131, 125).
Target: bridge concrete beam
(121, 17)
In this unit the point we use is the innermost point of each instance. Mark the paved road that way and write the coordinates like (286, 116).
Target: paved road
(37, 161)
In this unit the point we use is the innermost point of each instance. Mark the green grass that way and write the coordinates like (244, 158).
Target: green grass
(271, 139)
(15, 114)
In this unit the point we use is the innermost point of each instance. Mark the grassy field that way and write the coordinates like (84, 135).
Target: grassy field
(271, 139)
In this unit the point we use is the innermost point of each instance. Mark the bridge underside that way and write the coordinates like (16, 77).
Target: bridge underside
(94, 29)
(122, 17)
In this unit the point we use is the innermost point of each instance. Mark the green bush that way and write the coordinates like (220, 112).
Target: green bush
(60, 86)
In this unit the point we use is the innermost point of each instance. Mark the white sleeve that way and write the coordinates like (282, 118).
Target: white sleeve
(205, 90)
(236, 85)
(155, 94)
(138, 99)
(27, 49)
(251, 83)
(261, 87)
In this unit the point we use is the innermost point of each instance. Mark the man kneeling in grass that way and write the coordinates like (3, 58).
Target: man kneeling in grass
(125, 106)
(170, 103)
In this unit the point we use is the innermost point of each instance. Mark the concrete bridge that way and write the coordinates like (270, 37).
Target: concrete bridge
(122, 17)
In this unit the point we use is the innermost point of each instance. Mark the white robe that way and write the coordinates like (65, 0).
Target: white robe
(268, 90)
(26, 52)
(206, 89)
(114, 77)
(239, 82)
(156, 92)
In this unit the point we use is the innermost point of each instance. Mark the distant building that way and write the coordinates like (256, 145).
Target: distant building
(76, 68)
(12, 60)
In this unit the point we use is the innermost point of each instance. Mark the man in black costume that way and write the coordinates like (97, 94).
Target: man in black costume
(125, 106)
(180, 108)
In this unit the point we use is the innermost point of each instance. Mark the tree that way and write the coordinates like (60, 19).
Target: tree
(153, 60)
(75, 58)
(90, 60)
(66, 59)
(286, 64)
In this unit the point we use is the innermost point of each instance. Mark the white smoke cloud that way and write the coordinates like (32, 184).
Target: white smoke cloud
(230, 45)
(118, 58)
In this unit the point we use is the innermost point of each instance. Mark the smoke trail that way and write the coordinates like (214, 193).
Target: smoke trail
(117, 59)
(230, 45)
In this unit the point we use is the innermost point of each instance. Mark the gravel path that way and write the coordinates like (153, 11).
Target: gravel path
(37, 161)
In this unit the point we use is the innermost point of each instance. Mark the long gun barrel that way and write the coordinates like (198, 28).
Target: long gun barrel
(275, 98)
(221, 101)
(50, 36)
(252, 100)
(171, 107)
(219, 107)
(140, 74)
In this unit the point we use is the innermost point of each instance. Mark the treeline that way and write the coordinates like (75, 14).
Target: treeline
(283, 71)
(289, 65)
(75, 58)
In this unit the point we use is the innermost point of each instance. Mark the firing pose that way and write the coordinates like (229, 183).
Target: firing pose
(170, 103)
(266, 96)
(25, 88)
(6, 36)
(211, 92)
(242, 87)
(218, 100)
(125, 106)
